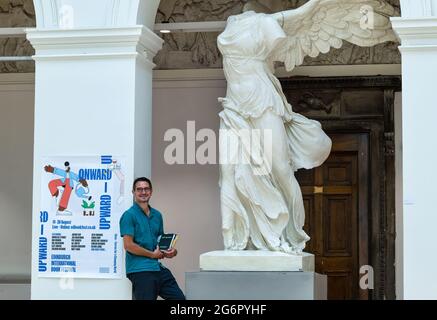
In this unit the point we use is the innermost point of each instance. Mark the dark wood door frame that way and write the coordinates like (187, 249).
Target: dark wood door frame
(380, 130)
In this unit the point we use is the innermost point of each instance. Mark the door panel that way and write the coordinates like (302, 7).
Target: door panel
(335, 218)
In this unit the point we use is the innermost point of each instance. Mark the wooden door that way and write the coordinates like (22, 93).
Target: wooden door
(336, 205)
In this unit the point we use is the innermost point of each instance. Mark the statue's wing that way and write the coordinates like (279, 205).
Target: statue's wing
(319, 25)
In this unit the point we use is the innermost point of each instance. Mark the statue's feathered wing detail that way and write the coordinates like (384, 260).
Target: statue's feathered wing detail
(320, 25)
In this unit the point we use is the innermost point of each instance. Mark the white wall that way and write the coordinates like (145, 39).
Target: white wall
(16, 158)
(187, 195)
(417, 29)
(419, 158)
(399, 257)
(102, 94)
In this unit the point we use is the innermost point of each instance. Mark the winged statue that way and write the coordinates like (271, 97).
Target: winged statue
(265, 211)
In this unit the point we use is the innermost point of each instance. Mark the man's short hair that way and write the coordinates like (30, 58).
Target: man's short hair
(142, 179)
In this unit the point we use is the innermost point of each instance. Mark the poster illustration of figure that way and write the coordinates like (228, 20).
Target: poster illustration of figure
(65, 185)
(82, 199)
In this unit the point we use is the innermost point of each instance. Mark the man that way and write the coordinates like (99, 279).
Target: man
(140, 227)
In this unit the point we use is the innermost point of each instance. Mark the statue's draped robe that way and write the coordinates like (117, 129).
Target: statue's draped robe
(255, 212)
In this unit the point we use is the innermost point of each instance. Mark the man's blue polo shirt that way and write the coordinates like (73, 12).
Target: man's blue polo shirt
(144, 231)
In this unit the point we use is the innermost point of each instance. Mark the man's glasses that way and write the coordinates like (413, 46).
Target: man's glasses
(143, 189)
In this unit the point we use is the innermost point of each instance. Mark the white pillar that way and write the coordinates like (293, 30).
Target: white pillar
(93, 96)
(417, 29)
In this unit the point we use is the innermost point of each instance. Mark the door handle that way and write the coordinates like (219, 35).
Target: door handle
(318, 189)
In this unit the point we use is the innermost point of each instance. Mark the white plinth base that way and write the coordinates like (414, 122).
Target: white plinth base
(255, 260)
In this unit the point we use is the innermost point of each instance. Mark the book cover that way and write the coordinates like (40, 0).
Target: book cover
(167, 241)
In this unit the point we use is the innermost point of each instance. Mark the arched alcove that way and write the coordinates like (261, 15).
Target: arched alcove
(52, 14)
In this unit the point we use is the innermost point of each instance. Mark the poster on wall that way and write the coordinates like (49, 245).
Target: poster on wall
(82, 199)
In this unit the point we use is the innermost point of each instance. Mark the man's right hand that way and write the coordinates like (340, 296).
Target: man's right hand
(49, 168)
(157, 254)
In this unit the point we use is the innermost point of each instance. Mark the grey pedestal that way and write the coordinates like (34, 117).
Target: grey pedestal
(255, 285)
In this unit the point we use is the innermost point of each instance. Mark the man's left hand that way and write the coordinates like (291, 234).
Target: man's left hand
(170, 253)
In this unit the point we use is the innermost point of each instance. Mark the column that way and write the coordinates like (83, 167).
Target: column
(416, 246)
(93, 96)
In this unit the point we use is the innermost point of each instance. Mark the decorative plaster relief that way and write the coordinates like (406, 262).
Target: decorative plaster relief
(199, 50)
(188, 50)
(13, 14)
(17, 13)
